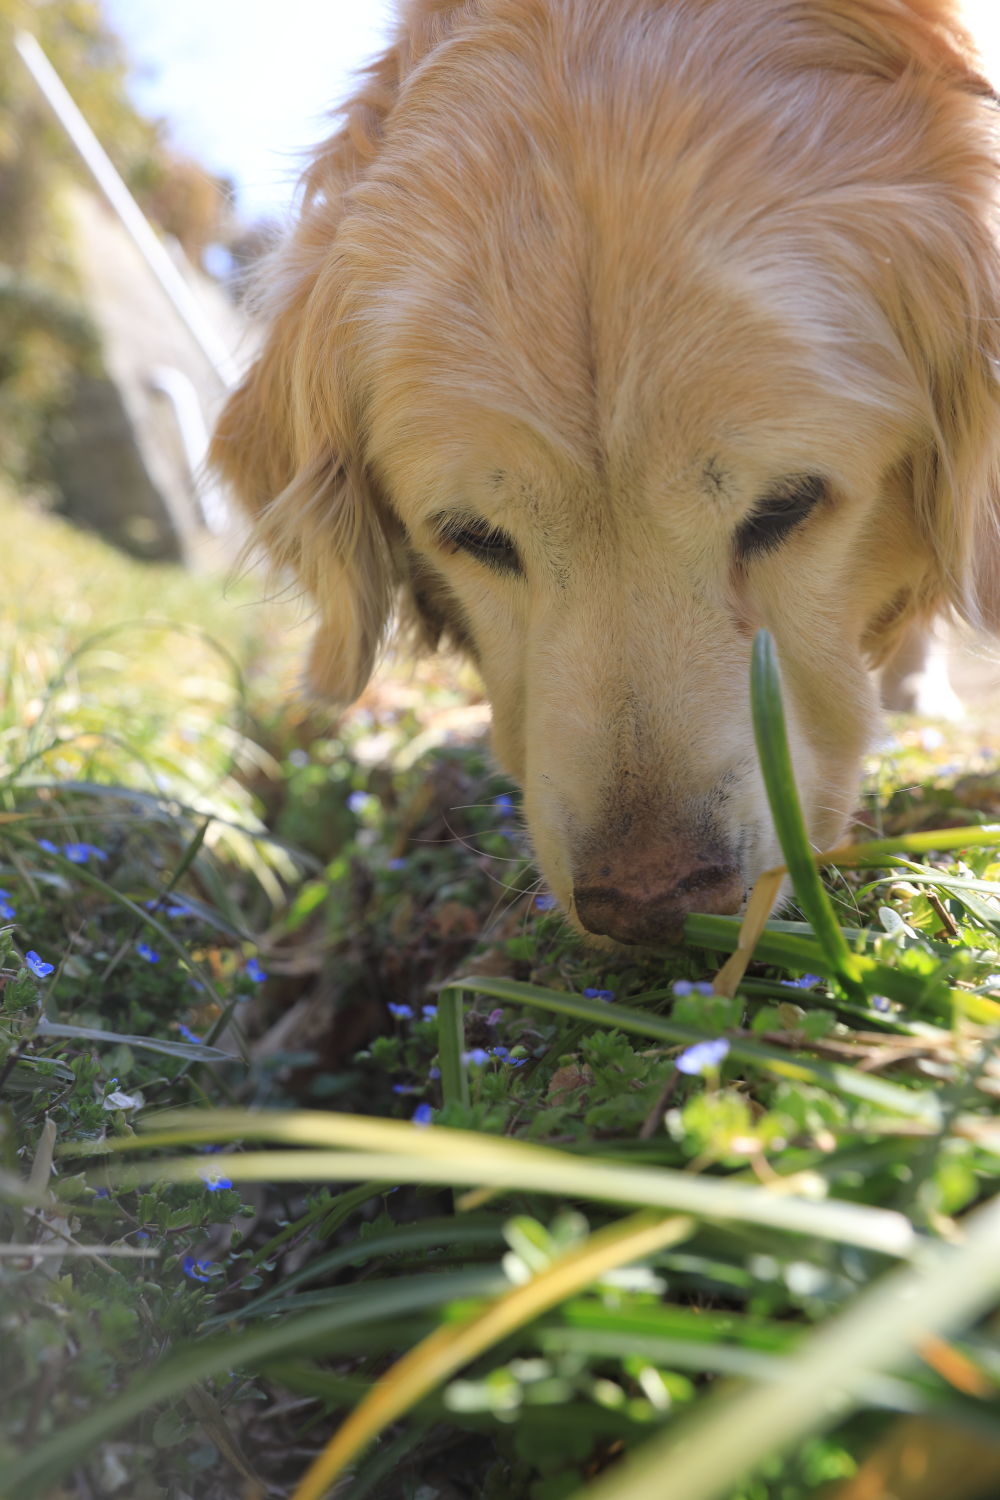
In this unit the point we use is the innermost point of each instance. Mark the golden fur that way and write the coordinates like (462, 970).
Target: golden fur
(579, 288)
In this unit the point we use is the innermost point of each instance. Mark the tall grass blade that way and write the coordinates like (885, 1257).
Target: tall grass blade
(782, 794)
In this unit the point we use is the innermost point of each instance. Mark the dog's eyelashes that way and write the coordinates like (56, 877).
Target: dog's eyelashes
(784, 506)
(488, 544)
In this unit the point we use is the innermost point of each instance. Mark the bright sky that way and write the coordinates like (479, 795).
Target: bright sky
(246, 84)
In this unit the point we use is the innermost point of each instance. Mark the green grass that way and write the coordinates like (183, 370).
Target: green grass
(594, 1273)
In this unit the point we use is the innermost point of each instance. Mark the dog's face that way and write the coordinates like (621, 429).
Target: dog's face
(626, 330)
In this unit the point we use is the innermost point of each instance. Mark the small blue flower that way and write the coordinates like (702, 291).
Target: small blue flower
(396, 864)
(358, 801)
(880, 1002)
(101, 1193)
(406, 1088)
(4, 895)
(401, 1012)
(422, 1115)
(298, 757)
(592, 994)
(516, 1062)
(38, 967)
(255, 972)
(434, 1074)
(429, 1012)
(149, 954)
(682, 987)
(7, 911)
(48, 846)
(805, 983)
(141, 1234)
(545, 903)
(704, 987)
(504, 804)
(211, 1149)
(702, 1056)
(502, 1052)
(198, 1270)
(214, 1181)
(177, 909)
(81, 854)
(188, 1034)
(478, 1055)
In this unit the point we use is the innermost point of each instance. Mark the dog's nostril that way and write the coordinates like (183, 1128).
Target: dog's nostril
(652, 912)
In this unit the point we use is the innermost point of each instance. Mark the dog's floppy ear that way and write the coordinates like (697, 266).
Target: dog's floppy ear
(287, 440)
(311, 510)
(942, 297)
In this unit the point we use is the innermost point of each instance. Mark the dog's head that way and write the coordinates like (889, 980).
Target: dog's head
(610, 331)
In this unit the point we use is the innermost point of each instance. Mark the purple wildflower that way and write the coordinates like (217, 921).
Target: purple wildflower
(38, 967)
(48, 846)
(592, 994)
(806, 982)
(198, 1270)
(81, 854)
(422, 1115)
(189, 1035)
(429, 1012)
(401, 1012)
(214, 1181)
(702, 1056)
(434, 1074)
(478, 1055)
(149, 954)
(255, 972)
(880, 1002)
(545, 903)
(682, 987)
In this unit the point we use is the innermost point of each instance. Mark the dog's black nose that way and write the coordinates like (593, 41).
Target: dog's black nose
(649, 909)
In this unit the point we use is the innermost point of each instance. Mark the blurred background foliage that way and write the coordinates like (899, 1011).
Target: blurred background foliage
(45, 332)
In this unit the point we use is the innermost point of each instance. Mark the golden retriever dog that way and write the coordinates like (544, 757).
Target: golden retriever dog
(609, 331)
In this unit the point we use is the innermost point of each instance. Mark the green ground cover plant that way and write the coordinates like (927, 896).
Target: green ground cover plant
(332, 1164)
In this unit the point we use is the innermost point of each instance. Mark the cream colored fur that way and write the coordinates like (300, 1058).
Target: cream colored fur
(601, 273)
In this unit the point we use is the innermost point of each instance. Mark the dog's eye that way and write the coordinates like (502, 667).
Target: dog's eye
(783, 508)
(487, 544)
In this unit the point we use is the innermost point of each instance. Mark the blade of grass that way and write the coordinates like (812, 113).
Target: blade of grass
(933, 841)
(782, 795)
(451, 1045)
(911, 1103)
(201, 1052)
(450, 1347)
(395, 1150)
